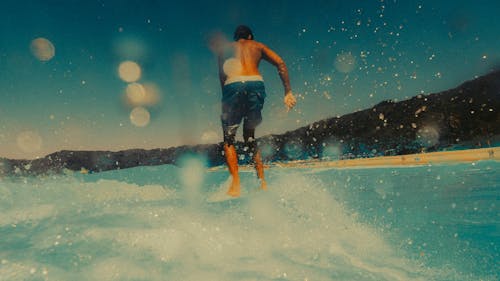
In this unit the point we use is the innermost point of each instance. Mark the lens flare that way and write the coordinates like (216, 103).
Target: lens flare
(345, 62)
(268, 149)
(129, 71)
(137, 94)
(293, 150)
(152, 94)
(140, 117)
(428, 135)
(232, 67)
(191, 175)
(192, 170)
(210, 137)
(131, 47)
(42, 49)
(29, 141)
(331, 150)
(217, 42)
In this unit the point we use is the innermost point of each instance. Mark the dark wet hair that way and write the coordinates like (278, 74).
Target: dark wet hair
(242, 32)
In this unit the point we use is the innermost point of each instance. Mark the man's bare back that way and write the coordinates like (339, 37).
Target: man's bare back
(245, 61)
(249, 53)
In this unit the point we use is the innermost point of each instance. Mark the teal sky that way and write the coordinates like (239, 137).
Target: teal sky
(75, 100)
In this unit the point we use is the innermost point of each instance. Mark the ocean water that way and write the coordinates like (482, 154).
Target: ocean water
(116, 75)
(439, 222)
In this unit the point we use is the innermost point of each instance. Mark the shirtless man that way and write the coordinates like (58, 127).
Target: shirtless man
(243, 97)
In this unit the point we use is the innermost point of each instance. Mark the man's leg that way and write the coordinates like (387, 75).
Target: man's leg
(259, 168)
(232, 161)
(255, 102)
(232, 164)
(248, 136)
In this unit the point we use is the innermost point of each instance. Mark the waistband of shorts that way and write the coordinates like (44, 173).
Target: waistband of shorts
(243, 78)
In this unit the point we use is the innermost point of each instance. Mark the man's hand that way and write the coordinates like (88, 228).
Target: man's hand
(289, 101)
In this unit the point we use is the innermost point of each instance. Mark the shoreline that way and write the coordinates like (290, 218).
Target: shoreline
(418, 159)
(440, 157)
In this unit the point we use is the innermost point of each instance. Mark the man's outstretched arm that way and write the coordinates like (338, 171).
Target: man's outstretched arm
(277, 61)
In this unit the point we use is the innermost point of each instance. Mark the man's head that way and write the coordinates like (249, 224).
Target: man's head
(243, 32)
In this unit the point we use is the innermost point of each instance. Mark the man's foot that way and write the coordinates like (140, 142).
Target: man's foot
(234, 189)
(263, 184)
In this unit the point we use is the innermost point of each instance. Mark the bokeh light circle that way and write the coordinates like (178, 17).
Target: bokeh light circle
(138, 94)
(140, 117)
(135, 94)
(192, 173)
(293, 150)
(232, 67)
(345, 62)
(217, 42)
(42, 49)
(210, 137)
(29, 141)
(331, 150)
(152, 94)
(428, 136)
(268, 149)
(129, 71)
(130, 47)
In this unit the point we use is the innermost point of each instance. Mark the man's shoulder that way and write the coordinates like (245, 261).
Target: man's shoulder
(258, 44)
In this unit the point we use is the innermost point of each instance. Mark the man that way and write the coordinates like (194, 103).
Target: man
(243, 97)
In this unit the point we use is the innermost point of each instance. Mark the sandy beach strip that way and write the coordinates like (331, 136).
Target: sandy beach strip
(440, 157)
(455, 156)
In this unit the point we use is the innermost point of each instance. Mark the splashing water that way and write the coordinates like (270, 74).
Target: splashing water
(313, 224)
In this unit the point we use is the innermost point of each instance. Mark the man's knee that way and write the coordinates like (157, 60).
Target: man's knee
(228, 140)
(250, 143)
(230, 134)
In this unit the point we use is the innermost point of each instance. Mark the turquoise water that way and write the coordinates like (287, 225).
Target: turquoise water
(61, 88)
(437, 222)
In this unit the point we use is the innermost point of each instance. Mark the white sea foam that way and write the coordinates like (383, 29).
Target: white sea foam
(276, 234)
(27, 214)
(113, 190)
(108, 229)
